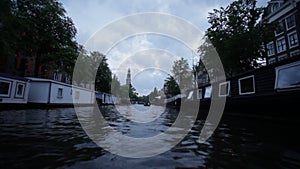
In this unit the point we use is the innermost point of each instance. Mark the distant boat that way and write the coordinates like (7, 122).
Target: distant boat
(147, 104)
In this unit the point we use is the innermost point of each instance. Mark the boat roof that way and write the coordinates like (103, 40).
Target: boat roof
(10, 76)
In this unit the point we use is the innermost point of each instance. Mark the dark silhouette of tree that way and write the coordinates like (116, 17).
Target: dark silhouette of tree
(237, 32)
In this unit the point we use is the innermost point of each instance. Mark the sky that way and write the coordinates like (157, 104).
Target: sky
(149, 55)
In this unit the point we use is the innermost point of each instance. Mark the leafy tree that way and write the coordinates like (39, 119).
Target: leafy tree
(171, 87)
(115, 85)
(182, 73)
(8, 38)
(128, 91)
(207, 62)
(42, 31)
(238, 35)
(103, 73)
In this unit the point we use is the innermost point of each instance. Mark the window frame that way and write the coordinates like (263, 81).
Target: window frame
(228, 89)
(292, 33)
(17, 89)
(271, 60)
(199, 97)
(273, 53)
(77, 95)
(286, 23)
(278, 69)
(205, 94)
(9, 88)
(253, 82)
(283, 28)
(279, 39)
(60, 94)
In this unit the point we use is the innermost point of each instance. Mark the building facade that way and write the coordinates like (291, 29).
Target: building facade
(286, 14)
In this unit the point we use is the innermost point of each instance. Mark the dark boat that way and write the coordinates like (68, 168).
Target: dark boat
(272, 91)
(147, 104)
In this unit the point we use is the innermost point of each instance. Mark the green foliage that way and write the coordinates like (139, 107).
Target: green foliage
(103, 73)
(128, 91)
(115, 86)
(171, 87)
(41, 30)
(182, 73)
(237, 35)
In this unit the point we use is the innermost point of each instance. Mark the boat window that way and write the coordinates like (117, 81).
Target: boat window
(77, 95)
(200, 94)
(5, 88)
(224, 89)
(288, 76)
(20, 90)
(60, 92)
(207, 92)
(246, 85)
(190, 96)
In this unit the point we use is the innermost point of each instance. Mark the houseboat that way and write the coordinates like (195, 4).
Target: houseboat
(13, 89)
(106, 98)
(46, 91)
(272, 91)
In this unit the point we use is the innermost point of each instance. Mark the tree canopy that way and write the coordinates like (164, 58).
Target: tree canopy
(40, 30)
(237, 32)
(182, 73)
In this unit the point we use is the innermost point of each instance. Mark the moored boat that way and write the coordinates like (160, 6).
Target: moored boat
(13, 89)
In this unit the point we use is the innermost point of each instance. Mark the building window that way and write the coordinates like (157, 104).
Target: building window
(20, 90)
(295, 53)
(5, 88)
(208, 92)
(270, 49)
(246, 85)
(271, 61)
(224, 89)
(280, 28)
(200, 94)
(288, 76)
(282, 57)
(281, 45)
(276, 5)
(290, 22)
(60, 93)
(293, 39)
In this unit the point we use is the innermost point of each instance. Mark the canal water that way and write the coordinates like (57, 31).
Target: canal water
(54, 138)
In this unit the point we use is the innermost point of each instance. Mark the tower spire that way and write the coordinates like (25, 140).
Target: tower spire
(128, 79)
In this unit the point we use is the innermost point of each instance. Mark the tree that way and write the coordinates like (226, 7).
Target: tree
(103, 73)
(42, 32)
(237, 34)
(115, 85)
(171, 87)
(182, 73)
(8, 37)
(128, 91)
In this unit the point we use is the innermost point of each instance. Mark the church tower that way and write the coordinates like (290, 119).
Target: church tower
(128, 79)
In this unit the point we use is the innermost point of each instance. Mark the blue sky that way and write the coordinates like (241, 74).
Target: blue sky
(90, 16)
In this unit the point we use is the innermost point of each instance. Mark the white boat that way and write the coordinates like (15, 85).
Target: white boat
(46, 91)
(106, 98)
(13, 89)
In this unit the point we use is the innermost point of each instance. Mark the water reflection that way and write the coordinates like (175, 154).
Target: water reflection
(54, 139)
